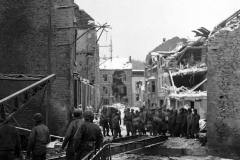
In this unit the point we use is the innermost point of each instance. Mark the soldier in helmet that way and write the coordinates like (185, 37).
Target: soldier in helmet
(38, 139)
(9, 140)
(88, 136)
(133, 114)
(128, 121)
(116, 122)
(72, 129)
(104, 121)
(143, 116)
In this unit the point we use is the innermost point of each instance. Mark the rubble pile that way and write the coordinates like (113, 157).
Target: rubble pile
(178, 142)
(171, 143)
(54, 150)
(147, 157)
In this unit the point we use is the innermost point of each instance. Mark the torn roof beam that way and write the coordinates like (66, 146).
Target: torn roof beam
(177, 54)
(189, 81)
(189, 71)
(189, 96)
(198, 85)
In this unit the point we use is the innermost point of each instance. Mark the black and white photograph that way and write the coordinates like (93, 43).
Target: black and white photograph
(119, 80)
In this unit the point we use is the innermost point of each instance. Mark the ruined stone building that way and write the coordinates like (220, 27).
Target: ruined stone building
(138, 81)
(177, 78)
(223, 114)
(28, 36)
(115, 81)
(151, 81)
(187, 70)
(86, 61)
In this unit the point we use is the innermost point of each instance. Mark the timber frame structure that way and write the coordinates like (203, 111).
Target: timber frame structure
(11, 104)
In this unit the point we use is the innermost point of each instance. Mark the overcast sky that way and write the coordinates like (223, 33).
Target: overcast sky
(138, 26)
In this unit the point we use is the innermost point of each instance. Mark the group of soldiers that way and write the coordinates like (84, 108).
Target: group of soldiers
(82, 137)
(178, 123)
(110, 120)
(10, 144)
(184, 123)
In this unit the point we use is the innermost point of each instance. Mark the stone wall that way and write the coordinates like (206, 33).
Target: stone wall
(223, 111)
(24, 49)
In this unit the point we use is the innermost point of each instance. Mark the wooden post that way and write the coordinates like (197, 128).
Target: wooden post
(49, 69)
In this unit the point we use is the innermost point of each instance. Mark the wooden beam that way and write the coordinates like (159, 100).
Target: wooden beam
(198, 85)
(28, 130)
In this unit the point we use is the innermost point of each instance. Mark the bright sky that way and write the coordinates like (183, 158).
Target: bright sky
(138, 26)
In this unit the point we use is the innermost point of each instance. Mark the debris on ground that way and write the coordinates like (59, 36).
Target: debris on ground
(146, 157)
(54, 150)
(177, 142)
(172, 142)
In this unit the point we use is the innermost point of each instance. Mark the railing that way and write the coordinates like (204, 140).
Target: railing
(103, 154)
(10, 105)
(108, 150)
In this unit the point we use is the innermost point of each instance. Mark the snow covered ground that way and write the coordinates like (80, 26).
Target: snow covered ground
(145, 157)
(177, 143)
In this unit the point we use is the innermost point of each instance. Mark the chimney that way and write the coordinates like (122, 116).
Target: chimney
(164, 40)
(130, 60)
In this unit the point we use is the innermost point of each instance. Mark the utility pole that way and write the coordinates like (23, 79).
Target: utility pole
(49, 67)
(110, 49)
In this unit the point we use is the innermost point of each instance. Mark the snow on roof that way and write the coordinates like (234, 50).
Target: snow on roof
(115, 63)
(154, 53)
(152, 78)
(138, 70)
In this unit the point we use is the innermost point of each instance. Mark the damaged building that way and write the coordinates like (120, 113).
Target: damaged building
(115, 81)
(180, 77)
(40, 70)
(137, 87)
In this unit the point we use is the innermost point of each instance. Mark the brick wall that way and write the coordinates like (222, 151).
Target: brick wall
(14, 85)
(24, 116)
(223, 106)
(24, 49)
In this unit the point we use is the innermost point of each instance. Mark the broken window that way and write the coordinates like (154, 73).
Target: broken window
(125, 90)
(138, 85)
(124, 77)
(190, 80)
(153, 86)
(105, 101)
(121, 90)
(105, 77)
(137, 97)
(161, 102)
(191, 57)
(105, 90)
